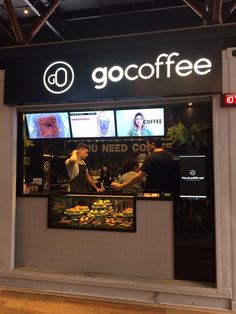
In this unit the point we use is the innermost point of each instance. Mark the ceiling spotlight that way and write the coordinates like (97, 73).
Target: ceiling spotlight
(190, 104)
(26, 11)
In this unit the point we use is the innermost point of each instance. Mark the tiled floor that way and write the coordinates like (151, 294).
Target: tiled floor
(12, 302)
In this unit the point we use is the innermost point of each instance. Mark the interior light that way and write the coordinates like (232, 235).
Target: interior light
(190, 104)
(26, 11)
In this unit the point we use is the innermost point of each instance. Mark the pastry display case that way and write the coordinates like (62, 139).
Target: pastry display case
(92, 212)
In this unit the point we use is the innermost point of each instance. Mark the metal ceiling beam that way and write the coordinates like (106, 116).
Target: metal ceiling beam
(229, 10)
(43, 18)
(5, 26)
(196, 8)
(34, 6)
(14, 21)
(232, 6)
(101, 5)
(216, 13)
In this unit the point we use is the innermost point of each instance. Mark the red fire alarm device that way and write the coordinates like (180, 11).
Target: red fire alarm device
(229, 100)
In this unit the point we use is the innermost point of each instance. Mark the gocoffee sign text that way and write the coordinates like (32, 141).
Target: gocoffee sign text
(171, 62)
(165, 65)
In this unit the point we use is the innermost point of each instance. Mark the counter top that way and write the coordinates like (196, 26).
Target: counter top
(145, 195)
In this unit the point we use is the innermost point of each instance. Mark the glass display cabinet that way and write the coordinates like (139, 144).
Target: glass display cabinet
(92, 212)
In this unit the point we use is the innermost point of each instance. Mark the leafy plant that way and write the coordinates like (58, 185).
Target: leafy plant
(193, 137)
(27, 141)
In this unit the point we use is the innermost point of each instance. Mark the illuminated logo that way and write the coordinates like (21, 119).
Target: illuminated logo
(167, 64)
(192, 172)
(58, 77)
(46, 166)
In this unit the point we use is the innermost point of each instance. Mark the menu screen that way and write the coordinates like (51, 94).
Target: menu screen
(92, 124)
(48, 125)
(140, 122)
(193, 177)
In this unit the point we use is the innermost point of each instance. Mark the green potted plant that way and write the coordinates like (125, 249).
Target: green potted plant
(195, 137)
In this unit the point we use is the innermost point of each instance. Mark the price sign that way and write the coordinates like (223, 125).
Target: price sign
(229, 100)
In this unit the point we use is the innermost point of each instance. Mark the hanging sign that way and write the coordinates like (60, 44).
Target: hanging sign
(111, 69)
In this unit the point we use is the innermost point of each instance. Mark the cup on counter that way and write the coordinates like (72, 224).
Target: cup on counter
(26, 188)
(33, 187)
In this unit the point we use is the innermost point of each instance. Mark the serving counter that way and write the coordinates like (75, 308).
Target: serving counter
(148, 252)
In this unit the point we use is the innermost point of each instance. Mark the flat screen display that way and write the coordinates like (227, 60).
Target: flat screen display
(193, 177)
(140, 122)
(48, 125)
(93, 123)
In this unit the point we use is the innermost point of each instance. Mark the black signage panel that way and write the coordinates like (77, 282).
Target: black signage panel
(193, 177)
(115, 68)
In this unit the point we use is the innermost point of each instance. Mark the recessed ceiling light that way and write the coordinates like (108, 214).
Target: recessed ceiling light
(26, 11)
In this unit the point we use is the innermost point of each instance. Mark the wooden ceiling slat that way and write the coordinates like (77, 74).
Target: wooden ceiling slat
(6, 28)
(196, 8)
(229, 10)
(14, 21)
(43, 18)
(216, 14)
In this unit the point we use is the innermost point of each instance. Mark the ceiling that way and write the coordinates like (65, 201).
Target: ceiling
(59, 20)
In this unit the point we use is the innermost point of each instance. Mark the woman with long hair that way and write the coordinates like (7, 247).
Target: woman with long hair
(139, 128)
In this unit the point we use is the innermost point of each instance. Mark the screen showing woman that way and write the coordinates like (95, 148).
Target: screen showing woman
(140, 122)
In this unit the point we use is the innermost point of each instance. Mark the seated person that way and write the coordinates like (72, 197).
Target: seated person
(130, 167)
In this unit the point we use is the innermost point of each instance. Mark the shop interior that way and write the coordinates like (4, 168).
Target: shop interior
(187, 131)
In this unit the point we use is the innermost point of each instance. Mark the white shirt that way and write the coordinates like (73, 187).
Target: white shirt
(73, 168)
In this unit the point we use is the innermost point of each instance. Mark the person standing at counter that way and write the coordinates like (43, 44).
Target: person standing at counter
(139, 128)
(78, 171)
(130, 167)
(158, 168)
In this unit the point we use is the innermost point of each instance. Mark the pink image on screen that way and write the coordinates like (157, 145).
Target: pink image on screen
(48, 126)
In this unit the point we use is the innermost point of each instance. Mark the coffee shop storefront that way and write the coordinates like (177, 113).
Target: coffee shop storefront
(174, 248)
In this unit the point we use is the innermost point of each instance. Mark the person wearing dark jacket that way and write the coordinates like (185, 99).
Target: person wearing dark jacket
(158, 168)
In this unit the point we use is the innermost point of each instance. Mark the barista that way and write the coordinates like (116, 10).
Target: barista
(77, 171)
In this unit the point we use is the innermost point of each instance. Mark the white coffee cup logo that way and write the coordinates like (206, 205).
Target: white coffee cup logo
(58, 77)
(192, 172)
